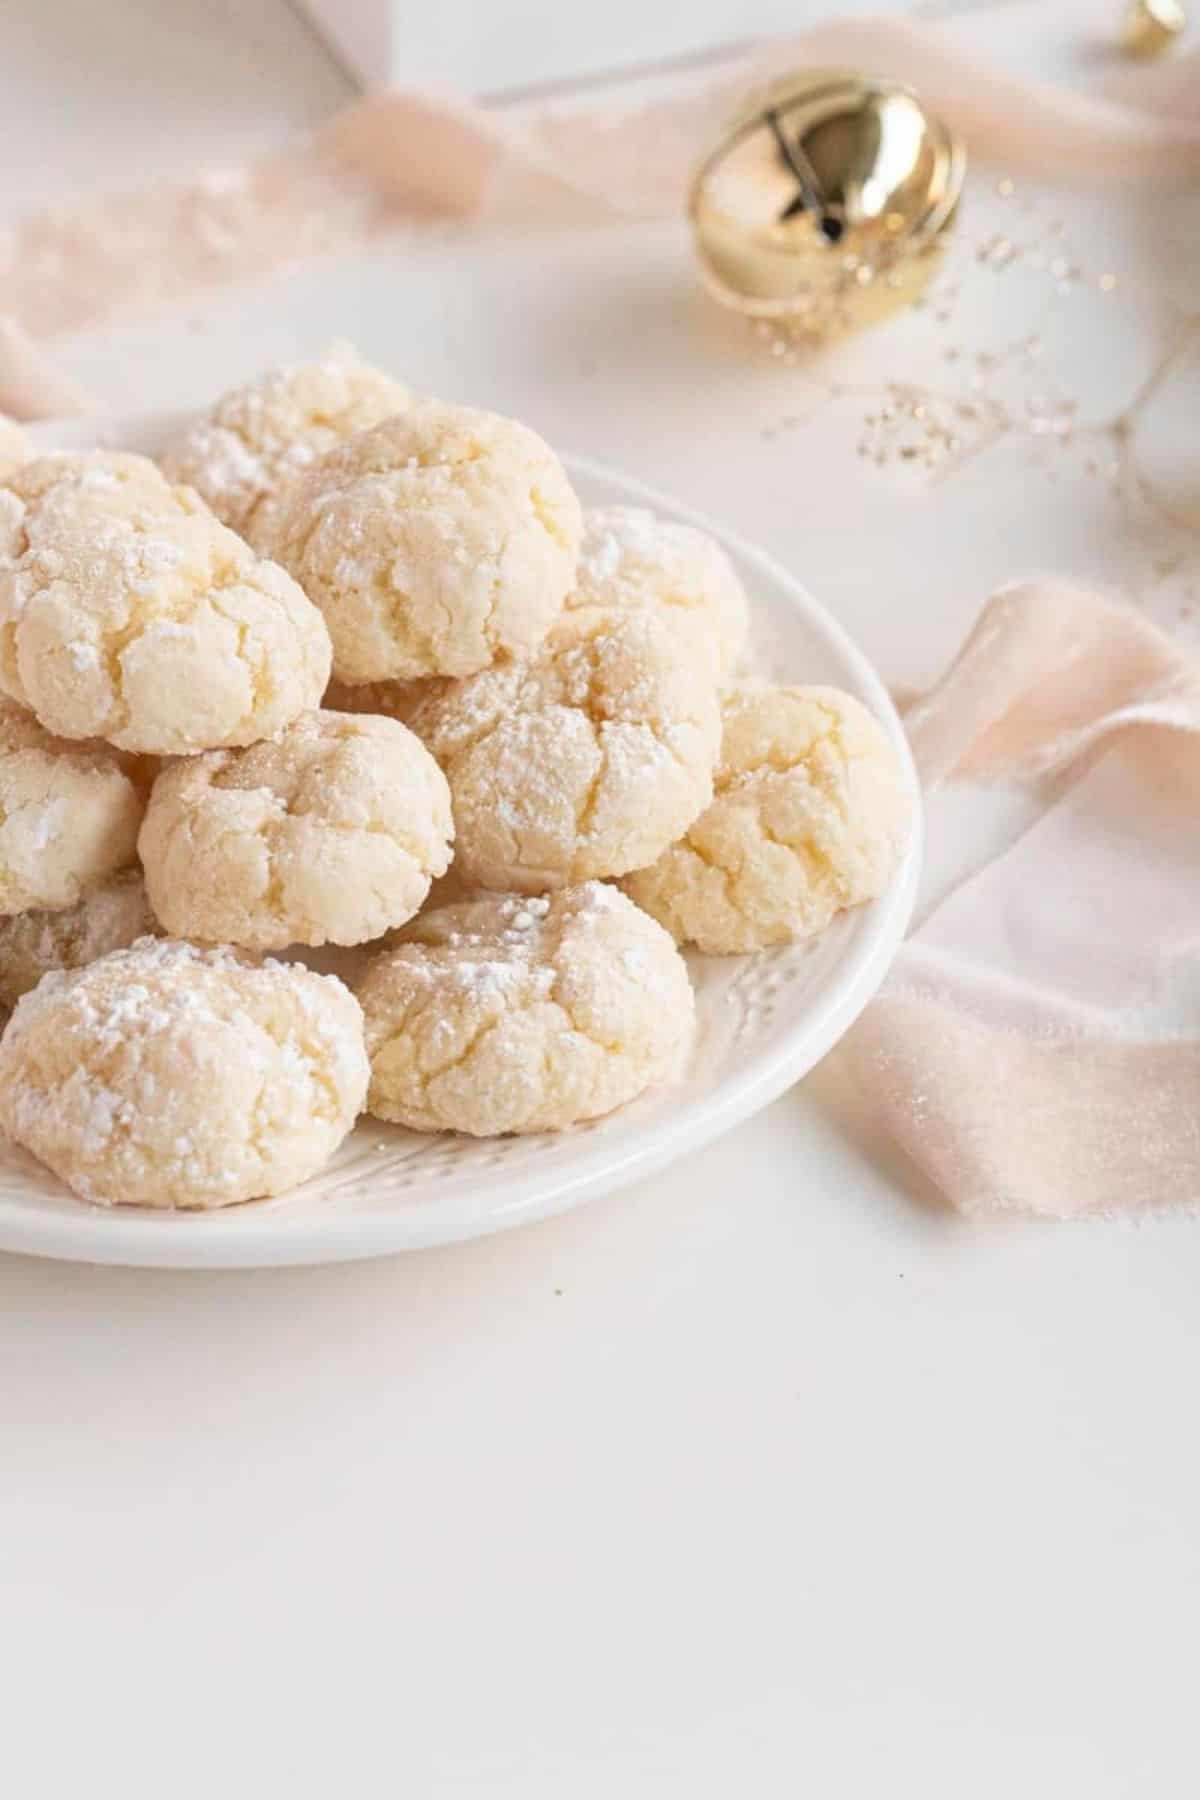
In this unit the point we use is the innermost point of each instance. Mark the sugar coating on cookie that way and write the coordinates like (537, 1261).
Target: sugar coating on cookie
(584, 763)
(811, 814)
(244, 452)
(434, 543)
(166, 1075)
(111, 917)
(127, 612)
(629, 557)
(14, 445)
(329, 833)
(512, 1014)
(114, 484)
(69, 815)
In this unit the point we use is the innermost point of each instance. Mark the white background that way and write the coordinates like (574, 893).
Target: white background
(770, 1477)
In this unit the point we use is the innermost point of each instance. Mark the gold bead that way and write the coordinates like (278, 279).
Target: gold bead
(826, 203)
(1151, 26)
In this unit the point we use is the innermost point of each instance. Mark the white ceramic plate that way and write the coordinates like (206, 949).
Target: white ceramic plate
(763, 1022)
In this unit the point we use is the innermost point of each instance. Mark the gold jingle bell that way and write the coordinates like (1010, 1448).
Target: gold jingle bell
(1151, 26)
(827, 203)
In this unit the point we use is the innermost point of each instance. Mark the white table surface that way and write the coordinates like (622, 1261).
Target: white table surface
(768, 1477)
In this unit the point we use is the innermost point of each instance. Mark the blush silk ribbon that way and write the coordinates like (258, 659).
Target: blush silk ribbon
(1036, 1047)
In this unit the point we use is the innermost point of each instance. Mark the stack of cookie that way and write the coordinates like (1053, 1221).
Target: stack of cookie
(338, 649)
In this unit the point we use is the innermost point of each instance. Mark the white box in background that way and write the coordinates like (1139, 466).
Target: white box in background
(488, 45)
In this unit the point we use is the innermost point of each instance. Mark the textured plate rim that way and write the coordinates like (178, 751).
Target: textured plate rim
(185, 1240)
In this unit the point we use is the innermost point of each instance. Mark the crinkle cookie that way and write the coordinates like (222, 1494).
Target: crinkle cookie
(69, 815)
(631, 558)
(329, 833)
(128, 613)
(242, 454)
(586, 762)
(166, 1075)
(507, 1014)
(433, 543)
(14, 445)
(811, 814)
(109, 918)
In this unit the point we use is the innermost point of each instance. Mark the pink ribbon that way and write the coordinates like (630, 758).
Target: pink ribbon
(1037, 1045)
